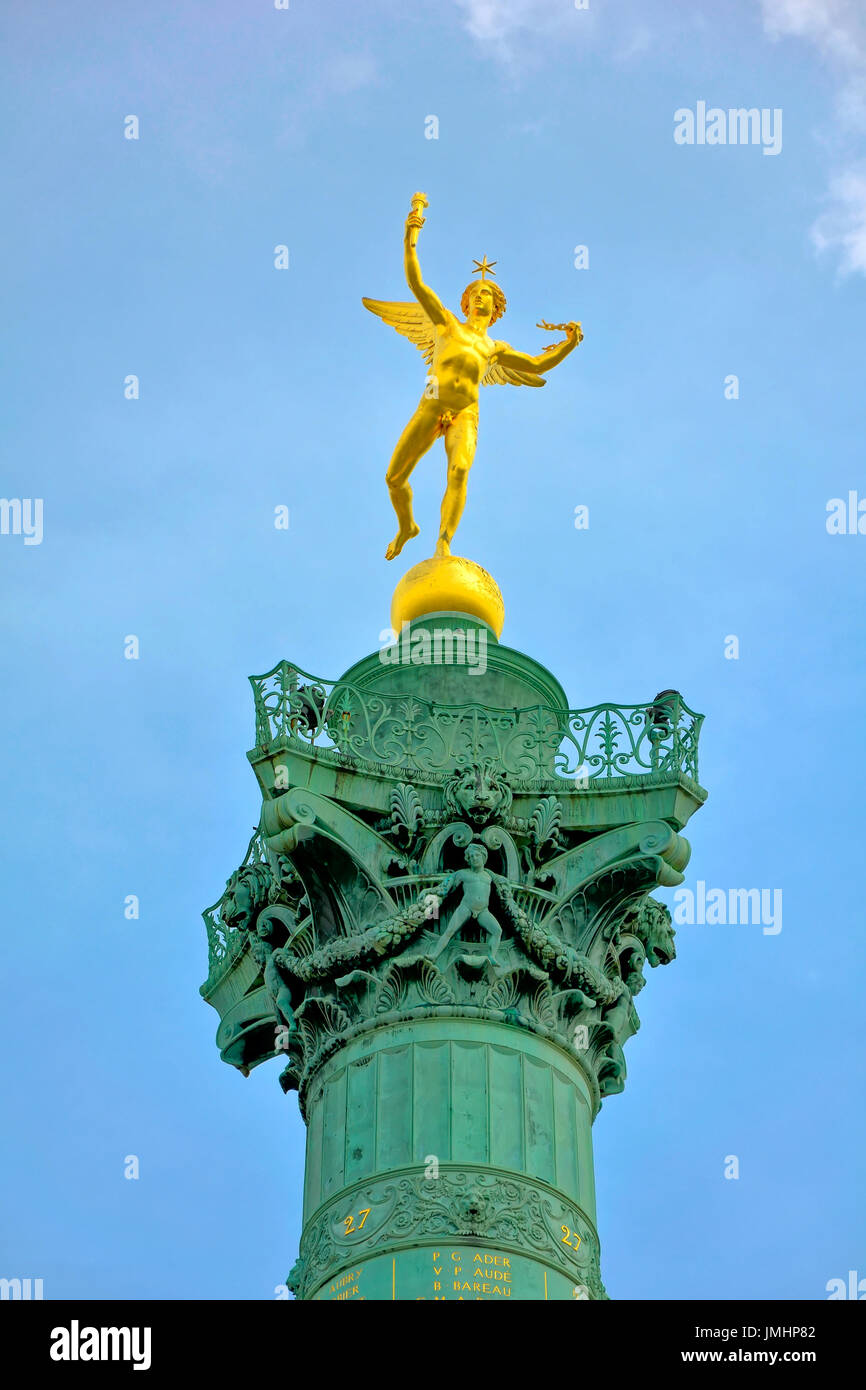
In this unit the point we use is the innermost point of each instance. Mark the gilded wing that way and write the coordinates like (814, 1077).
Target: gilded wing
(497, 375)
(409, 319)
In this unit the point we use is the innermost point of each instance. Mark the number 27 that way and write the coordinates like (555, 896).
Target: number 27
(349, 1221)
(565, 1237)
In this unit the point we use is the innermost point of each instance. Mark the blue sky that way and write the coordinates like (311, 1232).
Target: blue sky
(260, 387)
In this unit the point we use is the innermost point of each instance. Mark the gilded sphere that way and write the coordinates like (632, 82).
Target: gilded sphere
(448, 584)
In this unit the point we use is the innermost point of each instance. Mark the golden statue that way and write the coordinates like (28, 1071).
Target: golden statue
(460, 355)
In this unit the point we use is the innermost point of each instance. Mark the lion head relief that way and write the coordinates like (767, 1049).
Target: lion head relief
(478, 793)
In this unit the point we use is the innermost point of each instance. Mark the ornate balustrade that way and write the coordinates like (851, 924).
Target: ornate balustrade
(657, 740)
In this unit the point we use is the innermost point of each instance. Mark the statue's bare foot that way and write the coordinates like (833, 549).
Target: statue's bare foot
(400, 540)
(443, 547)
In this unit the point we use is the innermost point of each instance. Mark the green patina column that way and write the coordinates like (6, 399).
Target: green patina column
(440, 927)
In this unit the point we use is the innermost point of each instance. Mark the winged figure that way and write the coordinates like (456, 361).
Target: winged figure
(460, 356)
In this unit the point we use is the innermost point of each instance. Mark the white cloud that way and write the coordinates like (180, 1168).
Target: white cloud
(507, 27)
(349, 72)
(837, 30)
(519, 33)
(837, 27)
(500, 19)
(842, 228)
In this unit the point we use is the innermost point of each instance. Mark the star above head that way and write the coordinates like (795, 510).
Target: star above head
(484, 266)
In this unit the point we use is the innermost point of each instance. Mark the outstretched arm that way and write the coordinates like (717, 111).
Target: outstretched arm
(430, 302)
(551, 357)
(448, 884)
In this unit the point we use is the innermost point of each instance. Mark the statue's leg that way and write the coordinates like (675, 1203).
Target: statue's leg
(413, 443)
(461, 914)
(493, 929)
(460, 440)
(284, 1008)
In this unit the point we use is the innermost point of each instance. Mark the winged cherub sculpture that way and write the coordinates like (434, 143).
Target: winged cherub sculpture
(460, 355)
